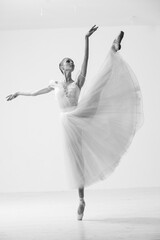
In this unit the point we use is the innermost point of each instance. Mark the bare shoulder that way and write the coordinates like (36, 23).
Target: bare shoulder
(53, 83)
(50, 88)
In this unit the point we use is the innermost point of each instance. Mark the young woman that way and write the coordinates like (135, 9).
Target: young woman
(100, 123)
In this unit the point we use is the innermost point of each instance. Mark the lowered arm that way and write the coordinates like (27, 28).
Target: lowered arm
(36, 93)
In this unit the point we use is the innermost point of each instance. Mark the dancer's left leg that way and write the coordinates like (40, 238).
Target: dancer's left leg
(81, 204)
(81, 192)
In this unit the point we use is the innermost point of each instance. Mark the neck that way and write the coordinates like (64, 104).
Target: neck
(67, 76)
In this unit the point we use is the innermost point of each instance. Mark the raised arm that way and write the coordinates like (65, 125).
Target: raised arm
(82, 75)
(36, 93)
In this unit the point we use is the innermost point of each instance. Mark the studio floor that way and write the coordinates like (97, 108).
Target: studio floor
(110, 214)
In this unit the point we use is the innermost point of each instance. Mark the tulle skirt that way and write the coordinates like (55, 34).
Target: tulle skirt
(98, 131)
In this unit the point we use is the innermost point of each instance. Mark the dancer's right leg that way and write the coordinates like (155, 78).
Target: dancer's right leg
(117, 42)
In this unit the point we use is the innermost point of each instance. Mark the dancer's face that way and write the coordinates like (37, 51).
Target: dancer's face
(67, 65)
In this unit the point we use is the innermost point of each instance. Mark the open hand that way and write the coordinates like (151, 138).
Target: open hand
(12, 96)
(91, 31)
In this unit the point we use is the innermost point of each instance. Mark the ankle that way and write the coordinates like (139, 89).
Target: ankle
(113, 49)
(81, 199)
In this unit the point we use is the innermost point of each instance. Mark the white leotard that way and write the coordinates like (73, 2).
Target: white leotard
(67, 96)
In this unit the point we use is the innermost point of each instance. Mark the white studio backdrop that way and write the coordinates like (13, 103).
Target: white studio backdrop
(29, 156)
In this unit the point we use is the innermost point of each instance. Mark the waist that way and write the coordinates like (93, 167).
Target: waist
(68, 109)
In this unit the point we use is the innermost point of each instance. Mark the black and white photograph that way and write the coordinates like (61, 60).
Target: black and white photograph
(79, 125)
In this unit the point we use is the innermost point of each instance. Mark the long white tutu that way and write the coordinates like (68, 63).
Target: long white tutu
(100, 129)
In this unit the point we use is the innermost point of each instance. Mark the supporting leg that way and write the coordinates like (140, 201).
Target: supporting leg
(81, 204)
(81, 192)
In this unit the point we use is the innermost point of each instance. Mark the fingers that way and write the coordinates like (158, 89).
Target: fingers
(10, 97)
(94, 28)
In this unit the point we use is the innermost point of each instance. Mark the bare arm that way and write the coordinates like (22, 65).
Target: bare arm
(36, 93)
(39, 92)
(81, 77)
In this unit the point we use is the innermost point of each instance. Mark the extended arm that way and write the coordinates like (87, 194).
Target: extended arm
(36, 93)
(82, 75)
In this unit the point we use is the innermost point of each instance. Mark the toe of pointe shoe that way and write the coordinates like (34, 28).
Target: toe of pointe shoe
(120, 36)
(80, 211)
(117, 42)
(79, 217)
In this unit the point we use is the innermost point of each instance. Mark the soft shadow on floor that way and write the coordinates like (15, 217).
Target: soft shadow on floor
(134, 220)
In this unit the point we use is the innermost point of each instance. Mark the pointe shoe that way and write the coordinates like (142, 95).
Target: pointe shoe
(80, 210)
(117, 42)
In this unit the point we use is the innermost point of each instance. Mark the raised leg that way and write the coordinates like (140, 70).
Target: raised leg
(117, 42)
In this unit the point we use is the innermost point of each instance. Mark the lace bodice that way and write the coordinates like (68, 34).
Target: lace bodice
(67, 96)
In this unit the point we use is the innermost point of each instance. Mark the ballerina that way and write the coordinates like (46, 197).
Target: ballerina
(98, 125)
